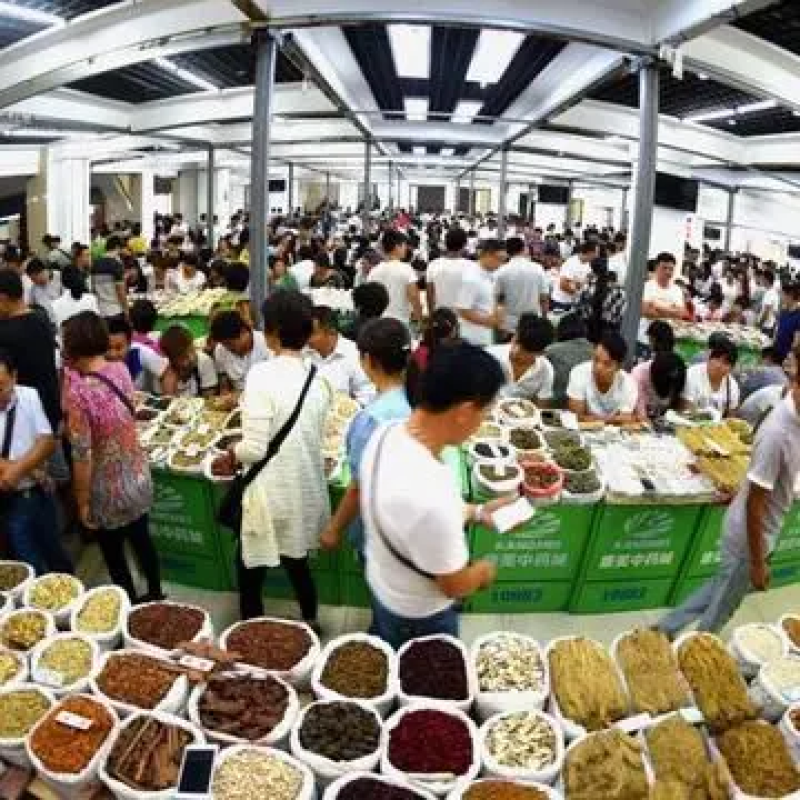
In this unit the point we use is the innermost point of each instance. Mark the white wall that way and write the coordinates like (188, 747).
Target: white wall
(669, 232)
(550, 214)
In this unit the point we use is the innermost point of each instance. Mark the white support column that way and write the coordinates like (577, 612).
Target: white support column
(68, 196)
(148, 203)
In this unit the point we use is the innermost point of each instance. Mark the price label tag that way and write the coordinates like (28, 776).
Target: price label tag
(633, 724)
(48, 677)
(199, 664)
(75, 721)
(512, 516)
(693, 716)
(793, 694)
(569, 420)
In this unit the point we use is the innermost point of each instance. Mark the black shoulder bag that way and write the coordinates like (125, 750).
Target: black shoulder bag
(11, 417)
(373, 512)
(229, 513)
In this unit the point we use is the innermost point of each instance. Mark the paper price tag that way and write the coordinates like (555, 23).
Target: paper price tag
(693, 716)
(48, 677)
(569, 420)
(74, 721)
(633, 724)
(199, 664)
(512, 516)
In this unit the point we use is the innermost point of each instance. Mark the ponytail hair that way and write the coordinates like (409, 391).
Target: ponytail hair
(74, 280)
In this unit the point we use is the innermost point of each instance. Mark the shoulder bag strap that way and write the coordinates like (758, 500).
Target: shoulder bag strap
(373, 510)
(117, 391)
(11, 418)
(283, 433)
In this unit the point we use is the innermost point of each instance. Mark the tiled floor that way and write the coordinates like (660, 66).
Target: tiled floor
(337, 620)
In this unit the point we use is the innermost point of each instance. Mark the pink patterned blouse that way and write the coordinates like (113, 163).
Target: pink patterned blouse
(101, 429)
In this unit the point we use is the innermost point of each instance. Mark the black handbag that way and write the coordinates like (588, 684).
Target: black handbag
(229, 513)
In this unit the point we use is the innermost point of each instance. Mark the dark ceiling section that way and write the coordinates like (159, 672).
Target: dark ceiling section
(678, 98)
(137, 84)
(451, 53)
(229, 67)
(371, 47)
(13, 30)
(763, 123)
(779, 24)
(534, 54)
(64, 8)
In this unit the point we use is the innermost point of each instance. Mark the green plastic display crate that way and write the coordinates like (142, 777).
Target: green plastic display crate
(641, 542)
(191, 570)
(548, 548)
(455, 459)
(197, 325)
(355, 591)
(685, 588)
(788, 546)
(520, 597)
(276, 584)
(349, 561)
(784, 574)
(620, 595)
(704, 557)
(687, 349)
(182, 518)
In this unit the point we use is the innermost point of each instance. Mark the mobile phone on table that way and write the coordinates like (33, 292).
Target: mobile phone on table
(197, 769)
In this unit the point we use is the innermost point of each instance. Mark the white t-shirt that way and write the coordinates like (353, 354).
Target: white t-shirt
(619, 399)
(770, 306)
(447, 275)
(575, 270)
(536, 383)
(671, 296)
(152, 369)
(206, 372)
(699, 393)
(302, 272)
(420, 511)
(177, 282)
(234, 367)
(396, 276)
(66, 306)
(618, 263)
(521, 284)
(477, 294)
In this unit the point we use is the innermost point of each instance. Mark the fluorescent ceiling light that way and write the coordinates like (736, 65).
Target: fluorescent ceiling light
(448, 151)
(702, 76)
(411, 48)
(186, 75)
(419, 151)
(416, 109)
(708, 116)
(796, 113)
(492, 55)
(465, 111)
(46, 133)
(751, 108)
(30, 15)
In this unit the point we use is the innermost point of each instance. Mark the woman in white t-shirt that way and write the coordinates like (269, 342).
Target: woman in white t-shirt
(74, 299)
(600, 389)
(711, 385)
(187, 278)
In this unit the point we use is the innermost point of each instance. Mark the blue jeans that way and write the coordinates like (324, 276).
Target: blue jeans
(398, 630)
(30, 519)
(714, 603)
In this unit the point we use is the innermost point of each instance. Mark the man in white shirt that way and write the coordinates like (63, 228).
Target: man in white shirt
(520, 286)
(238, 348)
(187, 278)
(304, 268)
(662, 297)
(28, 516)
(711, 385)
(753, 523)
(399, 278)
(572, 276)
(478, 314)
(770, 304)
(601, 389)
(337, 358)
(416, 551)
(529, 374)
(617, 259)
(445, 275)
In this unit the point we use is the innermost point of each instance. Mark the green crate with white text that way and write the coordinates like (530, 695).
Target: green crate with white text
(520, 597)
(640, 541)
(620, 595)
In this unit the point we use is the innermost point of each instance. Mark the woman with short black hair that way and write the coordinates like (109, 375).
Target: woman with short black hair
(287, 505)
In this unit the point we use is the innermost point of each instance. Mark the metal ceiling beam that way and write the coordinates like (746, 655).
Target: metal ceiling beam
(678, 21)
